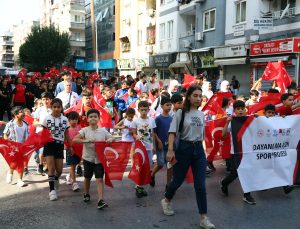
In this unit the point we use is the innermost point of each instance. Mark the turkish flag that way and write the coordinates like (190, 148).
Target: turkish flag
(276, 71)
(97, 94)
(116, 157)
(30, 120)
(125, 96)
(217, 147)
(188, 80)
(105, 118)
(270, 98)
(140, 171)
(10, 152)
(214, 104)
(296, 112)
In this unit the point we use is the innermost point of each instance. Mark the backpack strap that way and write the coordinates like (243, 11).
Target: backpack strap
(181, 121)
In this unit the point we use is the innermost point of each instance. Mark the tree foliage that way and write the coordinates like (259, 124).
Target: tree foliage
(44, 47)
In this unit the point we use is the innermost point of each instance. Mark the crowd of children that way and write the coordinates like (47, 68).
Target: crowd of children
(170, 127)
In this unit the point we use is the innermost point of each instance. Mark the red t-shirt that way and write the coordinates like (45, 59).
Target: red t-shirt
(19, 92)
(284, 110)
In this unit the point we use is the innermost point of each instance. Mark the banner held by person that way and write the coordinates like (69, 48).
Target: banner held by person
(269, 153)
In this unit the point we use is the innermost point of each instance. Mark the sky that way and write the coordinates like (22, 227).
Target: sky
(14, 11)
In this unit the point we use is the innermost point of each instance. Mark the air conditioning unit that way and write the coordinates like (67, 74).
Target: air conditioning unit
(186, 43)
(149, 48)
(199, 36)
(151, 12)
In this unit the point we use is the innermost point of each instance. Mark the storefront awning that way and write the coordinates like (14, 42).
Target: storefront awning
(232, 61)
(201, 50)
(179, 64)
(269, 59)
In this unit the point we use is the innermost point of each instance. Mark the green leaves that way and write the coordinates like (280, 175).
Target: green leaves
(44, 47)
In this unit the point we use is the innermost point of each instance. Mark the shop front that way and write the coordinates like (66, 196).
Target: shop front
(160, 64)
(286, 50)
(106, 68)
(131, 66)
(203, 62)
(182, 65)
(233, 61)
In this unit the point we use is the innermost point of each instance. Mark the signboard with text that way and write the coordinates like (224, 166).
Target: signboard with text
(263, 23)
(288, 45)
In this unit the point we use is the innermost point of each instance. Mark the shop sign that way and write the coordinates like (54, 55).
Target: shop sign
(126, 64)
(230, 51)
(288, 45)
(140, 63)
(203, 59)
(162, 61)
(263, 23)
(239, 30)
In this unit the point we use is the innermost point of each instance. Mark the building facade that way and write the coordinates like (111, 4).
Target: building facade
(20, 33)
(7, 50)
(68, 16)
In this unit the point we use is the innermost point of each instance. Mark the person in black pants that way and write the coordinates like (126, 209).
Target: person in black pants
(5, 99)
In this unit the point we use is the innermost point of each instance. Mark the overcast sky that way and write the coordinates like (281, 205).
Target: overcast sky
(14, 11)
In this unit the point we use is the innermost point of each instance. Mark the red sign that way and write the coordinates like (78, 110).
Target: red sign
(288, 45)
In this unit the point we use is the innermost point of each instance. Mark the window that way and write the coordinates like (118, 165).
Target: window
(77, 36)
(162, 31)
(170, 29)
(209, 19)
(140, 37)
(77, 18)
(240, 12)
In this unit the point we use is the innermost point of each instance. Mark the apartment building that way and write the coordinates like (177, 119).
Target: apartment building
(6, 50)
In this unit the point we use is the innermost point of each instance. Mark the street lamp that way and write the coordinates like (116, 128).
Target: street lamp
(99, 17)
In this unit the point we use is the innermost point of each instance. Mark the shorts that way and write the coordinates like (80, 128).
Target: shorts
(161, 157)
(55, 149)
(71, 159)
(91, 168)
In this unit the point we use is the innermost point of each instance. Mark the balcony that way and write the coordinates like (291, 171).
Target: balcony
(77, 5)
(7, 61)
(290, 13)
(8, 43)
(188, 7)
(187, 42)
(77, 25)
(77, 43)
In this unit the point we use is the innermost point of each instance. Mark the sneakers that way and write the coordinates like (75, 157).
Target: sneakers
(75, 187)
(205, 223)
(9, 177)
(288, 189)
(249, 199)
(86, 198)
(20, 183)
(167, 207)
(69, 180)
(53, 195)
(79, 171)
(140, 192)
(211, 166)
(224, 188)
(102, 204)
(152, 182)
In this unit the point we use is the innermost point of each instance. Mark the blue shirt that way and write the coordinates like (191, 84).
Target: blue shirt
(163, 124)
(130, 100)
(61, 87)
(120, 101)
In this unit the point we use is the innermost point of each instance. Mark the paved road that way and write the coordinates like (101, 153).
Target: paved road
(29, 207)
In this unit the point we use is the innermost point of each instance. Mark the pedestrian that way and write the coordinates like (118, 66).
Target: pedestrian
(88, 136)
(125, 125)
(206, 90)
(240, 111)
(152, 84)
(188, 125)
(68, 97)
(67, 77)
(18, 94)
(287, 107)
(39, 116)
(71, 158)
(143, 130)
(132, 97)
(5, 99)
(225, 86)
(253, 98)
(109, 104)
(163, 122)
(235, 84)
(58, 126)
(141, 85)
(121, 103)
(16, 130)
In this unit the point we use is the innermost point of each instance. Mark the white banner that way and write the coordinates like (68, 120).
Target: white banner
(269, 153)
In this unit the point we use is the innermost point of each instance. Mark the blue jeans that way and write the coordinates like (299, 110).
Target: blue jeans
(189, 154)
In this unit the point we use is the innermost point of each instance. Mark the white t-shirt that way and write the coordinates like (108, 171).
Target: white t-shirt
(65, 97)
(20, 133)
(41, 113)
(99, 134)
(126, 135)
(57, 126)
(151, 86)
(145, 130)
(139, 86)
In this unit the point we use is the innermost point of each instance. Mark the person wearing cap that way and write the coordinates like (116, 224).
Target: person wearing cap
(152, 84)
(61, 86)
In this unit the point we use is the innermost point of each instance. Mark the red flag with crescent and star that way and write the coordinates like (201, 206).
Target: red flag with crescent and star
(188, 80)
(214, 104)
(114, 157)
(140, 171)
